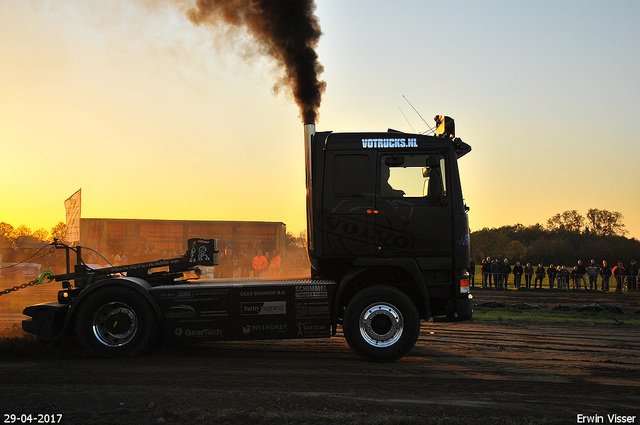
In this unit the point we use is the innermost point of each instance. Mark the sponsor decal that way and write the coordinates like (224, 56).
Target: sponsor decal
(258, 328)
(311, 291)
(400, 142)
(198, 253)
(304, 328)
(212, 293)
(312, 310)
(261, 293)
(198, 332)
(214, 313)
(464, 240)
(181, 312)
(264, 308)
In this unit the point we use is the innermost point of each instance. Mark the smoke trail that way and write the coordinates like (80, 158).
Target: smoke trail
(286, 30)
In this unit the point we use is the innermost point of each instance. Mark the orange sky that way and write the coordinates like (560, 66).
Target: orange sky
(156, 118)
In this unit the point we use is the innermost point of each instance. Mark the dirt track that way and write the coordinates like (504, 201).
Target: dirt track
(458, 373)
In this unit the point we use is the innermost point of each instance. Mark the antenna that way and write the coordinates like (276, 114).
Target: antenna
(405, 98)
(405, 117)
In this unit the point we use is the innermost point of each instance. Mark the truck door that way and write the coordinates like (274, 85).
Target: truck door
(348, 204)
(414, 213)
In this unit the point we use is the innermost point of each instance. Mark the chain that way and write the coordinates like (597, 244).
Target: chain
(38, 281)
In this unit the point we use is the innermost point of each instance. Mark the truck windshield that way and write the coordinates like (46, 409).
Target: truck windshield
(412, 179)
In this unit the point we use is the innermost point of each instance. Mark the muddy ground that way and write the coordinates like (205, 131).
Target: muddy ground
(477, 372)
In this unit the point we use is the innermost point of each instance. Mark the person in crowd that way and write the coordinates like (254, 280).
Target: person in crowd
(605, 272)
(495, 272)
(540, 273)
(226, 263)
(517, 275)
(574, 278)
(472, 273)
(528, 274)
(632, 276)
(563, 278)
(276, 263)
(260, 263)
(490, 277)
(580, 272)
(505, 271)
(551, 274)
(244, 264)
(619, 273)
(592, 271)
(485, 268)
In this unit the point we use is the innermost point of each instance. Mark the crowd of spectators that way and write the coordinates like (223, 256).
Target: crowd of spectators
(231, 263)
(497, 274)
(258, 264)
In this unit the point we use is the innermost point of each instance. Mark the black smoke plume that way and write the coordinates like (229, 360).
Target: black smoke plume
(286, 30)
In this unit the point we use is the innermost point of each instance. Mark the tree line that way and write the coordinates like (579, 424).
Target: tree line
(10, 236)
(566, 238)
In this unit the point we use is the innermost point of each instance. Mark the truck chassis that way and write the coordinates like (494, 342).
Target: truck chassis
(114, 315)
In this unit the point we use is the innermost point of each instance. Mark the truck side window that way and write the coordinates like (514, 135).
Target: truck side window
(412, 176)
(350, 176)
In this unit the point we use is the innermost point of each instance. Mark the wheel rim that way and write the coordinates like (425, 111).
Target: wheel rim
(115, 324)
(381, 325)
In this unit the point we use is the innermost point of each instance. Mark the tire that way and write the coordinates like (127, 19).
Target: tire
(116, 322)
(381, 324)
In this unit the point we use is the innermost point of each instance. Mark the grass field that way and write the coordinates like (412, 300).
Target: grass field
(557, 316)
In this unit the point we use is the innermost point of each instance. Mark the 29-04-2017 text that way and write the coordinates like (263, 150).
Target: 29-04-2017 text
(32, 418)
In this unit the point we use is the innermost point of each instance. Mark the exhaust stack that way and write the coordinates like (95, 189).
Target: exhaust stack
(309, 133)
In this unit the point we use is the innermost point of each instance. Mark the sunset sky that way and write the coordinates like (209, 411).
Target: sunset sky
(154, 117)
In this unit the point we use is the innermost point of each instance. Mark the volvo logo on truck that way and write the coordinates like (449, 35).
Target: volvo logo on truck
(359, 230)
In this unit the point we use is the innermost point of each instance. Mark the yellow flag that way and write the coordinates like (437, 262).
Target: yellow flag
(72, 207)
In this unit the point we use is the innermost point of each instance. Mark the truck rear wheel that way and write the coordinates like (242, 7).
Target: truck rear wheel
(116, 322)
(381, 324)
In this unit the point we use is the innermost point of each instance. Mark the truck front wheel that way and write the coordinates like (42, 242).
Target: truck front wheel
(116, 322)
(381, 324)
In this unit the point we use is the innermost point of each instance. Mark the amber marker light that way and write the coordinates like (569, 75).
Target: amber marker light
(464, 285)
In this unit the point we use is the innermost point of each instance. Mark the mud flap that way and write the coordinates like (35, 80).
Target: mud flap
(464, 307)
(46, 320)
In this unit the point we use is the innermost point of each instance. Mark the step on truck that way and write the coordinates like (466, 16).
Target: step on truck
(388, 245)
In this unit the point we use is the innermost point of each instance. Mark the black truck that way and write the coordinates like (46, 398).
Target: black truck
(388, 244)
